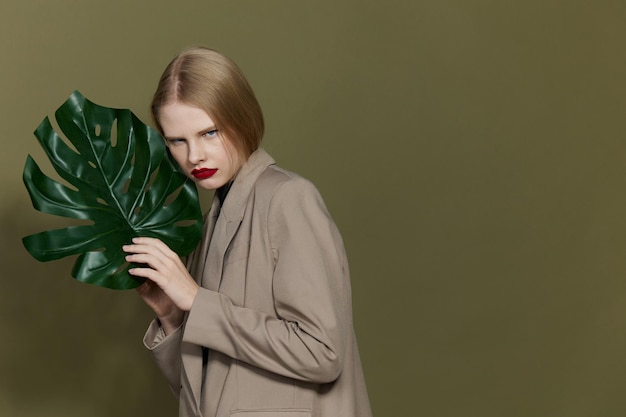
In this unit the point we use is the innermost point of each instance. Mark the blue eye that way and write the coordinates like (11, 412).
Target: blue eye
(210, 133)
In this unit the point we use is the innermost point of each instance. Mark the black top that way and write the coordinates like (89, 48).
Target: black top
(222, 192)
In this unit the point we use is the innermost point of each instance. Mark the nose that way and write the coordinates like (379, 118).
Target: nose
(195, 153)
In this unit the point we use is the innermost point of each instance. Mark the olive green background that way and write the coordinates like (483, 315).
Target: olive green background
(471, 151)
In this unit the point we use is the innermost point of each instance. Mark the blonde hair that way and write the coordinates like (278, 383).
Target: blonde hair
(206, 79)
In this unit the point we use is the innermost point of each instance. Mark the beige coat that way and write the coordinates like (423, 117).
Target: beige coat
(270, 333)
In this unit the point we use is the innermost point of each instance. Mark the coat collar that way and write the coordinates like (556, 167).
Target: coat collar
(235, 203)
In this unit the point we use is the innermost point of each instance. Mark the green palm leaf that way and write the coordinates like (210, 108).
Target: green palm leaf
(121, 179)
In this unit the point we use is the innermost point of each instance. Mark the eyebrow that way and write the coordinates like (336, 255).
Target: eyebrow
(208, 129)
(200, 132)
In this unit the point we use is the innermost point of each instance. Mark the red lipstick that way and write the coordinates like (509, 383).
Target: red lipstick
(203, 173)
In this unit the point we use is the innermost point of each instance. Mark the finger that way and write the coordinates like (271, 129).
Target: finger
(152, 243)
(143, 248)
(153, 247)
(144, 288)
(153, 261)
(145, 240)
(153, 275)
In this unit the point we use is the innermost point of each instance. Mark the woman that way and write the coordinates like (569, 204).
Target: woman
(259, 322)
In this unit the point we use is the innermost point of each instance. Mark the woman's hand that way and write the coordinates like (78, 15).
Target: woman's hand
(169, 289)
(169, 315)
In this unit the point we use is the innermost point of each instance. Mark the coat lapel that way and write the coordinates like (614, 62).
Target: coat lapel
(230, 217)
(223, 221)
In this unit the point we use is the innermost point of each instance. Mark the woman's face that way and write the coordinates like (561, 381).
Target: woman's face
(198, 146)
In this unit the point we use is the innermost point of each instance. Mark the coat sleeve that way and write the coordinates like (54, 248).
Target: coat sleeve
(166, 353)
(306, 338)
(166, 350)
